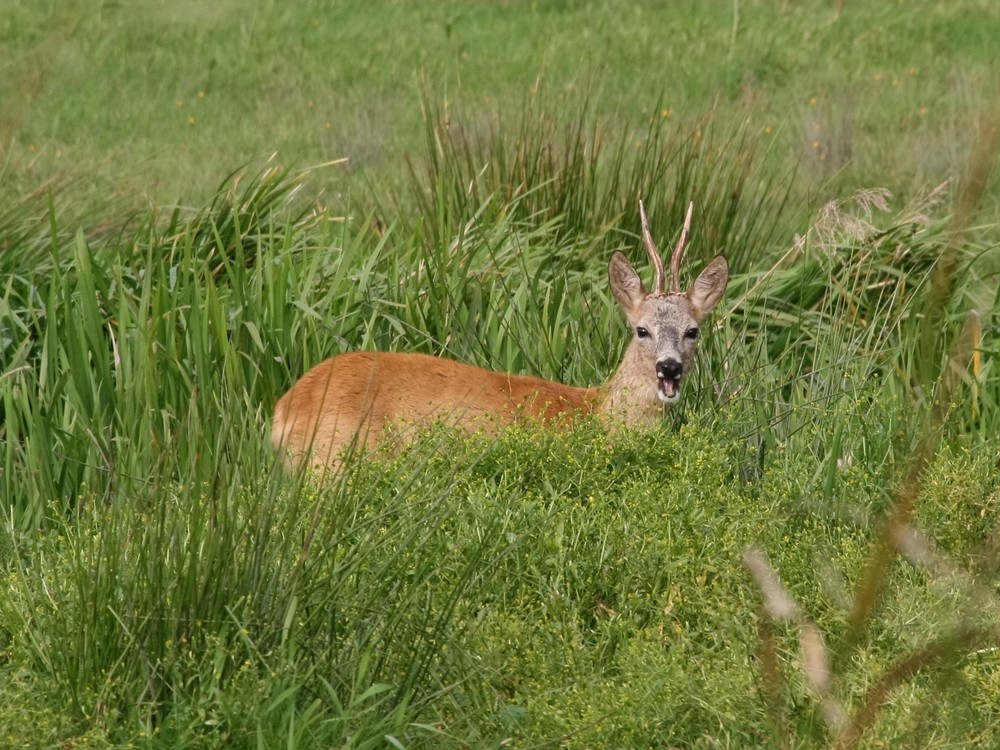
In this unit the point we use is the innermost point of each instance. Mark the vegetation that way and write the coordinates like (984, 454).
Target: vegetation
(806, 554)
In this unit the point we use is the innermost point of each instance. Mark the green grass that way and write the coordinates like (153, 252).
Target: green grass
(164, 99)
(168, 585)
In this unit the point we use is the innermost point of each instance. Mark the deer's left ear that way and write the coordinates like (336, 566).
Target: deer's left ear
(708, 288)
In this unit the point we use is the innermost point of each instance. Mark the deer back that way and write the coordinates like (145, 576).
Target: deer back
(353, 397)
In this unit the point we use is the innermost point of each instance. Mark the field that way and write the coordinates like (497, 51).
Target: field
(202, 200)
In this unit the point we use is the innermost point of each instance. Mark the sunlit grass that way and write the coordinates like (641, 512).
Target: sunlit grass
(168, 585)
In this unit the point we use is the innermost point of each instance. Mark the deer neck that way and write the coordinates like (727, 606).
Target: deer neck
(629, 397)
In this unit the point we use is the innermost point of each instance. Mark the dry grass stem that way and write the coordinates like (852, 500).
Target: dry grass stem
(777, 601)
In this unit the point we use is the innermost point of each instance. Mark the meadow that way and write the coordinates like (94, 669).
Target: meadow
(202, 200)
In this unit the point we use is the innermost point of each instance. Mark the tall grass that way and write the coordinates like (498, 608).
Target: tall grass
(974, 631)
(169, 585)
(156, 559)
(586, 174)
(838, 319)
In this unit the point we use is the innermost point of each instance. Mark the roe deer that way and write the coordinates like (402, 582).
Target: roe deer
(354, 396)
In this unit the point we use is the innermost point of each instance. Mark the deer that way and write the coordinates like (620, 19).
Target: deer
(348, 400)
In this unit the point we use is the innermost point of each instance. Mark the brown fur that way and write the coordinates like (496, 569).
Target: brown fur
(361, 392)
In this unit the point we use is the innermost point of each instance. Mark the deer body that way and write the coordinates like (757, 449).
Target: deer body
(352, 397)
(355, 395)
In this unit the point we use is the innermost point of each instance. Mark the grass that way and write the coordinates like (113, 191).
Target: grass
(805, 553)
(162, 101)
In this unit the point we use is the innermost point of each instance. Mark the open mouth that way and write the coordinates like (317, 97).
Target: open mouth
(669, 390)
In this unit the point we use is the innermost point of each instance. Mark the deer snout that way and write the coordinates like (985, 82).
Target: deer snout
(668, 373)
(669, 369)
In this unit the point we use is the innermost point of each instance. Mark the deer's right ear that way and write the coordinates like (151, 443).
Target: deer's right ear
(625, 283)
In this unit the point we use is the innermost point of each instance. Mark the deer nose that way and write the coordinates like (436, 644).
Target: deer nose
(669, 369)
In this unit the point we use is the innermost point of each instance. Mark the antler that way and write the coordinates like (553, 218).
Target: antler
(675, 259)
(654, 254)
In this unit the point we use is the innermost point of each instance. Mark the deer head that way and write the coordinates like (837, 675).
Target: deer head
(665, 325)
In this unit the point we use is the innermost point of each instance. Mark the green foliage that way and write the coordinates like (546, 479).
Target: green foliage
(586, 176)
(168, 585)
(236, 615)
(162, 100)
(838, 320)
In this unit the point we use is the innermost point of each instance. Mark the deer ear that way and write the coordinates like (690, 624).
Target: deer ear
(625, 283)
(708, 288)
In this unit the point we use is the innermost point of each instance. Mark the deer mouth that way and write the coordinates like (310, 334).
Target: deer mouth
(669, 390)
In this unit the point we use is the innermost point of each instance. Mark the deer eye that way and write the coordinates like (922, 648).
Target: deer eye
(641, 332)
(691, 333)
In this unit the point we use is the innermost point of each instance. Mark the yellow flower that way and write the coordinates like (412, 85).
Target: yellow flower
(190, 119)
